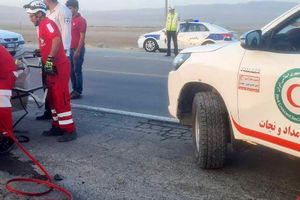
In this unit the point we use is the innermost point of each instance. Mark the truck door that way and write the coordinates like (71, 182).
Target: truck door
(196, 34)
(182, 35)
(269, 90)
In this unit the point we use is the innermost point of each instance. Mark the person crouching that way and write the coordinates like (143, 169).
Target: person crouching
(8, 75)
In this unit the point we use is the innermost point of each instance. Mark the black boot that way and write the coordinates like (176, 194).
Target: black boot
(54, 131)
(75, 95)
(45, 116)
(6, 144)
(66, 137)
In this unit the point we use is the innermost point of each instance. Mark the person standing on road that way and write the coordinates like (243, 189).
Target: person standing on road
(62, 16)
(8, 75)
(77, 48)
(57, 68)
(172, 27)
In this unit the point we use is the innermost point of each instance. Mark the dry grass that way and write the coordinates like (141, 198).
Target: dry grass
(102, 37)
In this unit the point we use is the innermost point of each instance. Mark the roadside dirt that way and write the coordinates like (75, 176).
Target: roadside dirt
(102, 37)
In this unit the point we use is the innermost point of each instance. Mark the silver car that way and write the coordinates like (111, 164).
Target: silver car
(13, 42)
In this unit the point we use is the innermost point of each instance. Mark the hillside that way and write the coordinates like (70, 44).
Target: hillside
(235, 16)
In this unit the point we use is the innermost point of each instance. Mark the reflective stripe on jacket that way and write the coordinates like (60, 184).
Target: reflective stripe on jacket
(172, 22)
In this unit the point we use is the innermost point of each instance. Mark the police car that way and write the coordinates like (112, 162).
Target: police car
(191, 33)
(241, 91)
(12, 41)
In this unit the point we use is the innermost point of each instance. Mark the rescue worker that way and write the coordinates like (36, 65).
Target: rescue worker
(8, 74)
(62, 16)
(172, 28)
(77, 48)
(57, 68)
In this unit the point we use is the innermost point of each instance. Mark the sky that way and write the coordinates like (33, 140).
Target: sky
(102, 5)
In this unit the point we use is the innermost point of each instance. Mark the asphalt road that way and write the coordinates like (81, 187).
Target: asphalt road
(133, 81)
(121, 157)
(117, 157)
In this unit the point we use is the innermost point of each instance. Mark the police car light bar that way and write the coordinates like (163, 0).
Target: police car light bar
(191, 20)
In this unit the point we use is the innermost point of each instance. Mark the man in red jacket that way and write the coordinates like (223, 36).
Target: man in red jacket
(77, 48)
(8, 74)
(57, 68)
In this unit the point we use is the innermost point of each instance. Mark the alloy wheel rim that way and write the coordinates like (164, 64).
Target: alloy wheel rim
(150, 45)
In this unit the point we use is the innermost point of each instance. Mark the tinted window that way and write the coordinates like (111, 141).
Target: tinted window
(286, 37)
(197, 28)
(183, 28)
(220, 28)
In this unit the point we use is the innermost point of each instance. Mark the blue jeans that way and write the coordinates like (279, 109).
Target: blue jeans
(76, 70)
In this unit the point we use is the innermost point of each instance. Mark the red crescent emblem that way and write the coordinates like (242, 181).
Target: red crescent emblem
(289, 95)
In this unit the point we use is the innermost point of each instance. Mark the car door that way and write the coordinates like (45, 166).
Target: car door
(196, 34)
(162, 42)
(269, 89)
(182, 35)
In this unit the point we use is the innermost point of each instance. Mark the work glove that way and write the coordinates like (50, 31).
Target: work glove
(37, 53)
(49, 67)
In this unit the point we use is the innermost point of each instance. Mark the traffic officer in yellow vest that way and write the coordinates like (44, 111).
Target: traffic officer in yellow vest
(172, 27)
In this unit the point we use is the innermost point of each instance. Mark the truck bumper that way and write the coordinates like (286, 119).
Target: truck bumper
(141, 41)
(174, 89)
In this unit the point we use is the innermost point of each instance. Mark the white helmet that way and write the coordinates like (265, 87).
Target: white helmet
(35, 6)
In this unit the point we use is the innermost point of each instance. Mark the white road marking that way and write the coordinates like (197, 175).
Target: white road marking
(125, 73)
(121, 112)
(141, 58)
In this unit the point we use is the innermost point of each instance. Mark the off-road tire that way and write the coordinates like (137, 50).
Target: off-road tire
(150, 45)
(210, 130)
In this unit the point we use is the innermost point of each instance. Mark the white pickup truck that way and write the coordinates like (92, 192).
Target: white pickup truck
(242, 91)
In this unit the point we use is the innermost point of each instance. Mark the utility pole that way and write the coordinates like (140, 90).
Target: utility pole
(166, 10)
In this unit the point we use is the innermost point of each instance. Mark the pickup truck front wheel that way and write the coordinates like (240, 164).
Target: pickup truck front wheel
(209, 130)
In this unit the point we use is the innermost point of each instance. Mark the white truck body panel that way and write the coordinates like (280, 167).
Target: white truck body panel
(261, 89)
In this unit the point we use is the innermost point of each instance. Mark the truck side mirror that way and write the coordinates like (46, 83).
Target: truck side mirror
(251, 40)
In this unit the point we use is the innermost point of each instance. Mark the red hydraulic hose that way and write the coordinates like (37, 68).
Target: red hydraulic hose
(49, 184)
